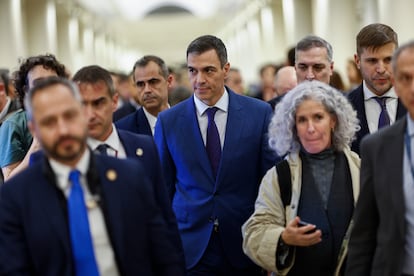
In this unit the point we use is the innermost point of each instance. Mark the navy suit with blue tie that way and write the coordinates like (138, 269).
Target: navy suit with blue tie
(200, 199)
(34, 231)
(356, 98)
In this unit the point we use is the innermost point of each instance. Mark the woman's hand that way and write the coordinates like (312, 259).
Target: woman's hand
(297, 235)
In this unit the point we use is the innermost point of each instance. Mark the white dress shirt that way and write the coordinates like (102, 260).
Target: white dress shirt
(104, 253)
(220, 117)
(373, 109)
(116, 149)
(152, 120)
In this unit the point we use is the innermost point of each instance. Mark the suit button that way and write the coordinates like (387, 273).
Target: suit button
(216, 193)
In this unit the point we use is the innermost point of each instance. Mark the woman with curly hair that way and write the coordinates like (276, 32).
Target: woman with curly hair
(312, 126)
(17, 144)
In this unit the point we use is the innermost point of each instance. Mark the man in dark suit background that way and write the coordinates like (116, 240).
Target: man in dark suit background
(214, 175)
(382, 241)
(127, 232)
(152, 80)
(375, 46)
(313, 61)
(100, 100)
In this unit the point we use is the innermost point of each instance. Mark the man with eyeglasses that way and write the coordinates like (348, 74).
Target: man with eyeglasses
(152, 79)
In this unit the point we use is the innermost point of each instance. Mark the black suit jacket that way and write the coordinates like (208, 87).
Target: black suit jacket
(34, 236)
(376, 246)
(356, 97)
(136, 122)
(126, 109)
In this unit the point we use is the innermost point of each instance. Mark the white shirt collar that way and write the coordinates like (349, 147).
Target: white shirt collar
(152, 120)
(222, 104)
(368, 94)
(62, 171)
(112, 141)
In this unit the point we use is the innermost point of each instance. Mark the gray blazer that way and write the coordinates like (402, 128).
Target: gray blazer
(376, 246)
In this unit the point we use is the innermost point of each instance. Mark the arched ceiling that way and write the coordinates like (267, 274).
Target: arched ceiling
(162, 27)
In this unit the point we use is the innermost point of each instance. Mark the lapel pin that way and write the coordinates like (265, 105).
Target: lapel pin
(111, 175)
(139, 152)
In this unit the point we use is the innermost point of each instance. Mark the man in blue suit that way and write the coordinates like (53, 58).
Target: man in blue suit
(375, 45)
(214, 194)
(152, 78)
(127, 233)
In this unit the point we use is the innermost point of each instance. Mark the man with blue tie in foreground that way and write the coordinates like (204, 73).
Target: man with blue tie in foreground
(76, 213)
(214, 152)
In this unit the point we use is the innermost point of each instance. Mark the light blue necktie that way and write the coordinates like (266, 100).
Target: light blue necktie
(82, 247)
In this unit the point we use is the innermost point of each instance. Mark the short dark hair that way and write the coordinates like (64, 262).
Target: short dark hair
(48, 61)
(208, 42)
(142, 62)
(93, 74)
(44, 83)
(313, 41)
(375, 36)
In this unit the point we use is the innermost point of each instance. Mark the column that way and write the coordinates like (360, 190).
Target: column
(41, 27)
(13, 45)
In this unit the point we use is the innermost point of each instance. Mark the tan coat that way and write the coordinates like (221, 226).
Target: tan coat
(262, 230)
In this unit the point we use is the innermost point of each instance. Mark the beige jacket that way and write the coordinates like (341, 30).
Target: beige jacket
(262, 230)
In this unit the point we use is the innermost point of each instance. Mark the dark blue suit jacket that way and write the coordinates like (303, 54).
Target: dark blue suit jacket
(126, 109)
(34, 237)
(197, 197)
(136, 122)
(356, 97)
(143, 148)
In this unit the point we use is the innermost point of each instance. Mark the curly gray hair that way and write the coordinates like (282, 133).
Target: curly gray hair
(282, 129)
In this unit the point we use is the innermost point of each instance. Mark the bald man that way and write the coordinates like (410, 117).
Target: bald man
(285, 80)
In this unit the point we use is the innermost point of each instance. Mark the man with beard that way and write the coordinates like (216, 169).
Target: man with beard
(152, 79)
(375, 100)
(76, 213)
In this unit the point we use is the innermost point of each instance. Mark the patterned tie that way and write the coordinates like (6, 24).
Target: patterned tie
(213, 146)
(384, 118)
(102, 149)
(82, 247)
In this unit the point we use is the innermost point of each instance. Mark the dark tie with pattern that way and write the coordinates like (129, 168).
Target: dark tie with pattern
(213, 140)
(102, 149)
(384, 118)
(80, 236)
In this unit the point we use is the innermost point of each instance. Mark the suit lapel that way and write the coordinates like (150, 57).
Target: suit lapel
(143, 124)
(395, 156)
(401, 110)
(360, 107)
(234, 128)
(130, 146)
(111, 203)
(190, 130)
(52, 202)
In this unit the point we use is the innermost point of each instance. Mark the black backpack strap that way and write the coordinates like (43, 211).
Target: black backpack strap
(285, 182)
